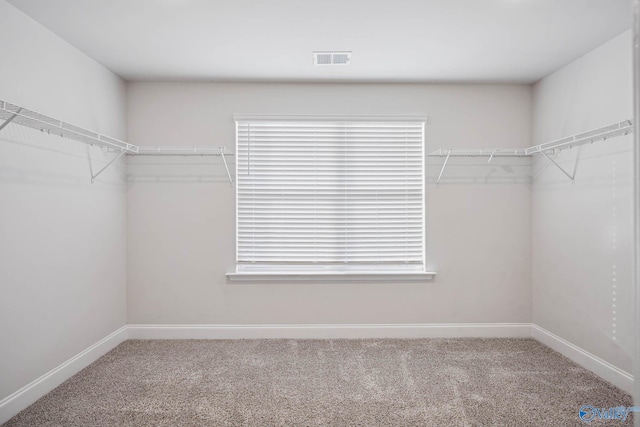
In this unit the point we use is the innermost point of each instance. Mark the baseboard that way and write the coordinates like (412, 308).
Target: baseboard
(331, 331)
(598, 366)
(27, 395)
(16, 402)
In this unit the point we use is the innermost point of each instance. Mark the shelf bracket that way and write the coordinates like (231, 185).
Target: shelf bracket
(224, 159)
(444, 165)
(10, 119)
(571, 177)
(491, 156)
(93, 177)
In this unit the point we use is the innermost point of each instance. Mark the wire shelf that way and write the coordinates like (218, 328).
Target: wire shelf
(443, 152)
(206, 151)
(600, 134)
(10, 113)
(181, 151)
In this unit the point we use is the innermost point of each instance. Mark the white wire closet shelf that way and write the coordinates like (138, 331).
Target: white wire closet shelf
(181, 151)
(205, 151)
(11, 113)
(600, 134)
(484, 152)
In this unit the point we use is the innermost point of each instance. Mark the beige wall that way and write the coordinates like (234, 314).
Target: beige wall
(582, 233)
(181, 213)
(504, 250)
(62, 240)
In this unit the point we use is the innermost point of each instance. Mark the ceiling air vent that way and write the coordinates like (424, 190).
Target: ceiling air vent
(331, 58)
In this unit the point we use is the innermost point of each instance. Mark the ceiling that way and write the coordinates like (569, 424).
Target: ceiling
(392, 40)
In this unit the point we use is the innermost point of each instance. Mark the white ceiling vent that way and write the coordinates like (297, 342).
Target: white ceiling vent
(331, 58)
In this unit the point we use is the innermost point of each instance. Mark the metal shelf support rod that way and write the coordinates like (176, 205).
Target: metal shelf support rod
(224, 159)
(93, 177)
(571, 177)
(10, 119)
(444, 165)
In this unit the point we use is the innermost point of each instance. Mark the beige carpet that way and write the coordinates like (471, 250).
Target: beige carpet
(426, 382)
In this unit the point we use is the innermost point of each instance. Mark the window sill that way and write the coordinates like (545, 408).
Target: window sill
(332, 276)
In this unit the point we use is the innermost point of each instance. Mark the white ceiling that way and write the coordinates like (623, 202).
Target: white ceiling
(392, 40)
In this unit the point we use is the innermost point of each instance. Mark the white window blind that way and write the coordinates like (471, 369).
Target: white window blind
(330, 192)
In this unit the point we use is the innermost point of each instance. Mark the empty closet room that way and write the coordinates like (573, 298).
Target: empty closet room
(318, 213)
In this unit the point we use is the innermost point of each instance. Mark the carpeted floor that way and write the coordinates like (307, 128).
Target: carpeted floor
(426, 382)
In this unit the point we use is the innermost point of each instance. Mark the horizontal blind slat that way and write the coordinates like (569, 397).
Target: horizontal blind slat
(330, 192)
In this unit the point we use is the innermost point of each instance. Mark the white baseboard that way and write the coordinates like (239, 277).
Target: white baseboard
(16, 402)
(28, 394)
(331, 331)
(598, 366)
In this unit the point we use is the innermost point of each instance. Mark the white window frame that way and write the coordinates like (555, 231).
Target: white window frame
(338, 273)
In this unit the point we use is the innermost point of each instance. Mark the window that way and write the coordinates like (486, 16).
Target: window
(330, 196)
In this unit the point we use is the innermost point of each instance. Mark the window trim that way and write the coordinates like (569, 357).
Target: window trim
(332, 276)
(328, 273)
